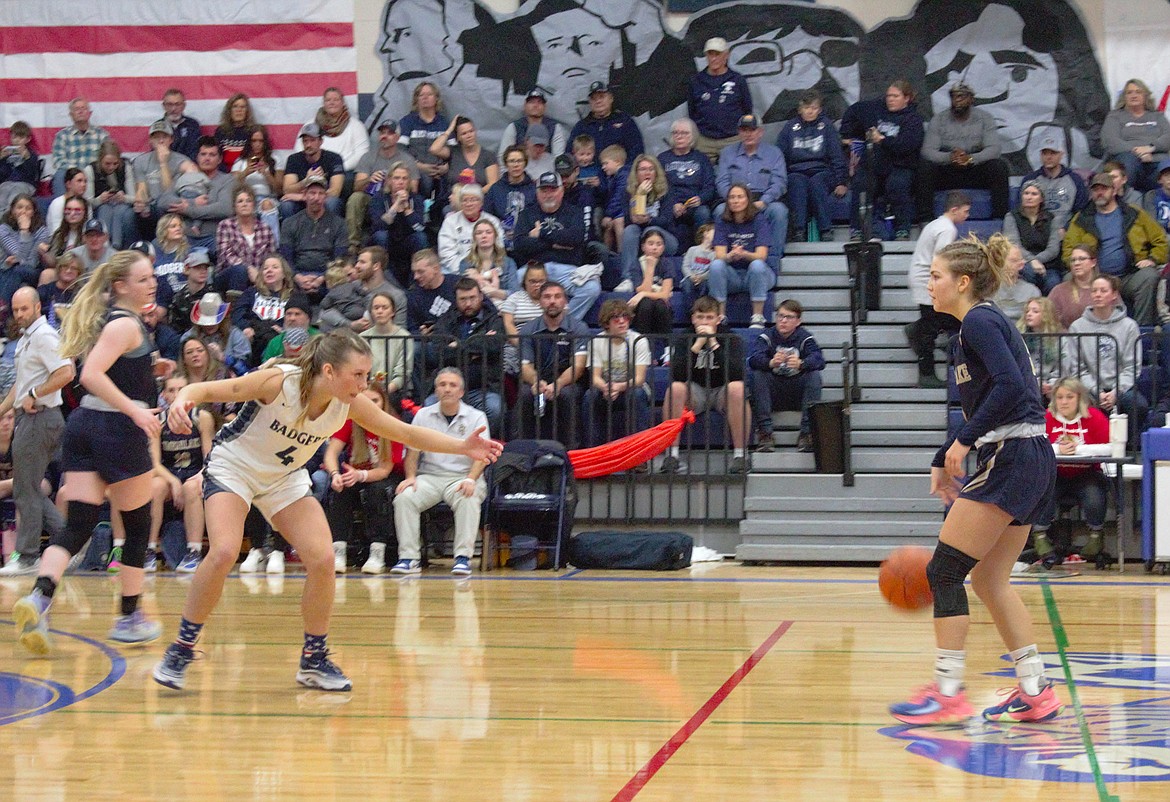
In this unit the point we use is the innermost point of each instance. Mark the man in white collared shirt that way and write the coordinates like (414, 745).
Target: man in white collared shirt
(431, 478)
(41, 372)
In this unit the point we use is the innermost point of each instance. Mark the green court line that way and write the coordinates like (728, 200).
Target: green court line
(1061, 638)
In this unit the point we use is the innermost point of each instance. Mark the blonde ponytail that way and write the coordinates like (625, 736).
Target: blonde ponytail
(333, 348)
(87, 314)
(984, 263)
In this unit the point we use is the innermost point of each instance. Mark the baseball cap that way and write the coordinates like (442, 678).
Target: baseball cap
(598, 86)
(538, 134)
(961, 88)
(390, 123)
(199, 256)
(564, 164)
(94, 226)
(1051, 142)
(1163, 166)
(548, 180)
(750, 121)
(143, 247)
(536, 94)
(1101, 180)
(162, 126)
(717, 44)
(316, 181)
(309, 129)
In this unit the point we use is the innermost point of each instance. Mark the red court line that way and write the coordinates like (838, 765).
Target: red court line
(647, 772)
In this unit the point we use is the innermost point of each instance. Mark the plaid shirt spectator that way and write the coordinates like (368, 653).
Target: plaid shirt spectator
(233, 247)
(73, 148)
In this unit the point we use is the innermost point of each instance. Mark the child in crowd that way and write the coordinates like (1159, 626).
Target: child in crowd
(786, 364)
(337, 272)
(617, 173)
(584, 156)
(1157, 201)
(197, 269)
(696, 266)
(653, 316)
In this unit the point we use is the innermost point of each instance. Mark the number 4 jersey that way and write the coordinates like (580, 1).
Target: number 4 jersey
(267, 442)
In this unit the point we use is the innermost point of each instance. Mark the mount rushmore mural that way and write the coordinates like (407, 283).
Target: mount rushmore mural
(1030, 62)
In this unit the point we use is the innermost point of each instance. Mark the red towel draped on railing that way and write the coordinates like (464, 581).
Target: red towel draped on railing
(629, 451)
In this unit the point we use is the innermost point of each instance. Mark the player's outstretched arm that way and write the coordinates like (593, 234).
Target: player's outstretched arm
(366, 414)
(260, 385)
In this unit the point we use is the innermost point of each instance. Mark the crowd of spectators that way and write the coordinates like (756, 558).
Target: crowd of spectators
(457, 260)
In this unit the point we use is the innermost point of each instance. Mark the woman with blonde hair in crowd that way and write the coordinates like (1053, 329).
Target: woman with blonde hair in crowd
(110, 191)
(1039, 320)
(259, 312)
(644, 203)
(171, 247)
(488, 263)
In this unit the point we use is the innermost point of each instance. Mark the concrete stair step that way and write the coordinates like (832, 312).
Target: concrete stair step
(869, 550)
(898, 417)
(899, 526)
(872, 485)
(766, 507)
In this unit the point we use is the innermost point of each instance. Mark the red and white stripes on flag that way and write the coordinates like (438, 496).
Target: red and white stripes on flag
(123, 54)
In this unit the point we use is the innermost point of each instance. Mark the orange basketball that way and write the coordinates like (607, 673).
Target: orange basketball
(902, 578)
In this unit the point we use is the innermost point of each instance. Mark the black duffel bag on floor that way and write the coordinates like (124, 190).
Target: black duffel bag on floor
(631, 551)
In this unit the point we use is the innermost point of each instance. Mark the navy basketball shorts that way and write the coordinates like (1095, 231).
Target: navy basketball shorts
(106, 443)
(1017, 475)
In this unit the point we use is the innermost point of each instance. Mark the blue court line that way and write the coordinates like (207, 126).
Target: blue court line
(116, 672)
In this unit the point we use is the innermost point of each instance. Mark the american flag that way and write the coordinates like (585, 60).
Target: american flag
(122, 55)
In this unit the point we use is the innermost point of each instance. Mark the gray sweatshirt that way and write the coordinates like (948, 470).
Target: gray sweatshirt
(977, 135)
(1100, 358)
(1121, 132)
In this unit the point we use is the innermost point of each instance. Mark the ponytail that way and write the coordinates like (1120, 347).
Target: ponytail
(87, 314)
(984, 263)
(334, 349)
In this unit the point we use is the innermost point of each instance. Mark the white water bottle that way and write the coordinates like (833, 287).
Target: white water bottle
(1118, 433)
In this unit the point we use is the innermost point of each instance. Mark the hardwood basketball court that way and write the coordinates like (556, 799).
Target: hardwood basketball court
(717, 683)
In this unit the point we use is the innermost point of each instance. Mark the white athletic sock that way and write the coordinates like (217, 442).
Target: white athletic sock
(1029, 669)
(741, 452)
(119, 542)
(948, 670)
(672, 451)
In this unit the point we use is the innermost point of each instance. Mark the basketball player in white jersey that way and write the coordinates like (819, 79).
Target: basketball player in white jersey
(289, 410)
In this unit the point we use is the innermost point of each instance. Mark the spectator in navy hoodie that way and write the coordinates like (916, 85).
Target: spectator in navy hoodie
(895, 130)
(786, 365)
(511, 195)
(816, 166)
(606, 126)
(554, 232)
(691, 180)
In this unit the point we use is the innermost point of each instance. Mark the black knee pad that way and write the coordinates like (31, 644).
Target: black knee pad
(946, 572)
(80, 519)
(137, 526)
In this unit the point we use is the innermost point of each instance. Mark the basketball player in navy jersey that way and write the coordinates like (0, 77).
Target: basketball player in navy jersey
(105, 450)
(1013, 487)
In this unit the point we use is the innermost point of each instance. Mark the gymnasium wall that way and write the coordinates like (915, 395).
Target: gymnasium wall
(1037, 65)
